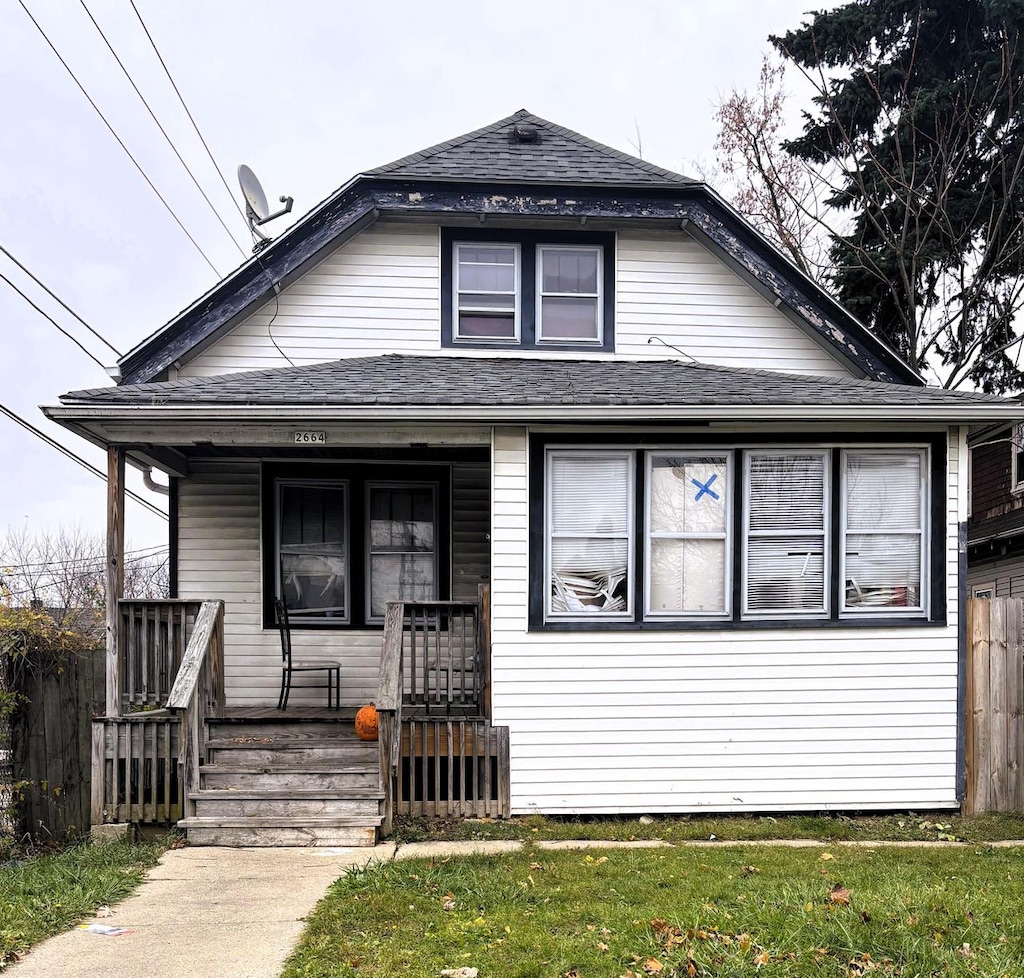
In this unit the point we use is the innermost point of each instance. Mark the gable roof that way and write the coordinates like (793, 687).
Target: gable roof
(575, 179)
(524, 387)
(559, 156)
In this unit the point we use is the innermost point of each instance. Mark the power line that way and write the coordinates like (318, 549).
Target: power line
(163, 131)
(131, 556)
(53, 295)
(181, 99)
(53, 321)
(120, 142)
(17, 419)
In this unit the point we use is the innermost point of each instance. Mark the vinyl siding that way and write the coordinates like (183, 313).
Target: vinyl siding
(219, 557)
(667, 721)
(671, 288)
(378, 293)
(381, 293)
(1007, 574)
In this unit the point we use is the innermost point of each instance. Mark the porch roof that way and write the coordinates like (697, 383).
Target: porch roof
(485, 388)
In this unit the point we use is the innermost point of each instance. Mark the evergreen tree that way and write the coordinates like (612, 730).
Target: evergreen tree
(917, 118)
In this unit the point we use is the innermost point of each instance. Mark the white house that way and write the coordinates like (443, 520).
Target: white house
(718, 519)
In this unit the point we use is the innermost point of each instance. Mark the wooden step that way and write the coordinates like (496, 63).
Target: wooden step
(308, 830)
(282, 755)
(237, 803)
(304, 776)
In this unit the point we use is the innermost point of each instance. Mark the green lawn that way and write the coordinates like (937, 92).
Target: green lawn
(927, 827)
(43, 894)
(687, 911)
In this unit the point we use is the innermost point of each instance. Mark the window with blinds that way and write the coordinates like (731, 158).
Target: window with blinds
(312, 569)
(590, 534)
(884, 518)
(785, 531)
(401, 548)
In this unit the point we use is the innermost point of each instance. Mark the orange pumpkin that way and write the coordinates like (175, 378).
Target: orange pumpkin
(366, 723)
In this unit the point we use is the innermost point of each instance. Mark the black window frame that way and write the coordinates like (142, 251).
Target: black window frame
(358, 475)
(935, 577)
(528, 242)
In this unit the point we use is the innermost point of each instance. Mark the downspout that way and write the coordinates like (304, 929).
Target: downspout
(147, 481)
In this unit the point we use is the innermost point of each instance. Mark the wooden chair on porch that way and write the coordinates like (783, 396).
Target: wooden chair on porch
(331, 667)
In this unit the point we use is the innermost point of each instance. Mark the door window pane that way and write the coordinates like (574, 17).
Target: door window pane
(402, 563)
(312, 549)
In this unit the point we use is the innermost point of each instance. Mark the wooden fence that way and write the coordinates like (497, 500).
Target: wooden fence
(50, 744)
(995, 706)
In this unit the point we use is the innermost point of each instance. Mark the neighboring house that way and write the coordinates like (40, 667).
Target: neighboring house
(995, 526)
(718, 518)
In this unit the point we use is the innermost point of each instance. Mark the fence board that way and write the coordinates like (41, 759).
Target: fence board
(995, 706)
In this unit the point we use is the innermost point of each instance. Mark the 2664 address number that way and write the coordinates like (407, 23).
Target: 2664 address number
(310, 437)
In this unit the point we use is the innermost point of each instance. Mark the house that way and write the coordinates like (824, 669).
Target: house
(700, 526)
(995, 525)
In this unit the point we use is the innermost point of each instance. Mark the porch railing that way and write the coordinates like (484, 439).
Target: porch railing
(152, 639)
(437, 746)
(145, 762)
(198, 693)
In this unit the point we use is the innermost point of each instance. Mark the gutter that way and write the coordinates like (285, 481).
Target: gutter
(605, 413)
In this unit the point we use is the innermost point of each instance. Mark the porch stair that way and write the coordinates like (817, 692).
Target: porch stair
(286, 782)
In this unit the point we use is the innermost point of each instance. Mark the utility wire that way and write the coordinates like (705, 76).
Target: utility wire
(130, 556)
(181, 99)
(17, 419)
(163, 131)
(56, 298)
(46, 315)
(120, 142)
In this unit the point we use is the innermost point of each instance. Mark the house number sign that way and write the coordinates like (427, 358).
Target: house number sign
(310, 437)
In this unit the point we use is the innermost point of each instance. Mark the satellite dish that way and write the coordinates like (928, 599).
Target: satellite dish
(256, 209)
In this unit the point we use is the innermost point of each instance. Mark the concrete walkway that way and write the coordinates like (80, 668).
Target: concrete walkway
(207, 912)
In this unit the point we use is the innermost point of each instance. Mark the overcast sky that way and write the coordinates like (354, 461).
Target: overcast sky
(307, 93)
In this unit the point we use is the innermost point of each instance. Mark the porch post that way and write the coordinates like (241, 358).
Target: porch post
(114, 575)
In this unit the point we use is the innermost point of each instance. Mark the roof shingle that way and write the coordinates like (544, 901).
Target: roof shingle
(560, 156)
(397, 379)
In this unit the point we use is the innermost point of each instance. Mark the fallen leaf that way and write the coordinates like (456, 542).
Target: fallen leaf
(826, 856)
(763, 958)
(750, 870)
(460, 973)
(865, 917)
(653, 966)
(602, 947)
(448, 902)
(840, 895)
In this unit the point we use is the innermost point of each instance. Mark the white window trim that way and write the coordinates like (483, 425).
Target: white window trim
(1016, 446)
(628, 613)
(540, 295)
(518, 292)
(923, 590)
(368, 553)
(726, 536)
(774, 613)
(989, 586)
(298, 614)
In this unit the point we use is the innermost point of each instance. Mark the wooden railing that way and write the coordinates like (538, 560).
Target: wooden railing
(152, 639)
(135, 775)
(452, 768)
(198, 693)
(435, 659)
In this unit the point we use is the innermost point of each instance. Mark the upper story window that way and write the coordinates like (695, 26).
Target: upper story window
(486, 291)
(527, 290)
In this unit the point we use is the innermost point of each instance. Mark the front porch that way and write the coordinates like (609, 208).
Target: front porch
(173, 748)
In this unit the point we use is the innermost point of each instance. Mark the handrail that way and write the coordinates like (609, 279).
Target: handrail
(389, 706)
(198, 691)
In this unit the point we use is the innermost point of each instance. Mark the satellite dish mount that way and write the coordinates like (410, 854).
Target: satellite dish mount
(256, 209)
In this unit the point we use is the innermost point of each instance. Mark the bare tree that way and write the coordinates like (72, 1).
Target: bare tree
(64, 573)
(910, 168)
